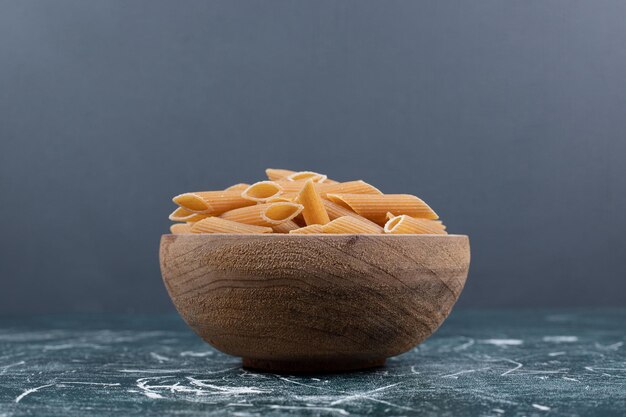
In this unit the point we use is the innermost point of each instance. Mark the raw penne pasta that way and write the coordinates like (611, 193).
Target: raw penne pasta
(335, 211)
(183, 215)
(218, 225)
(291, 187)
(307, 230)
(404, 224)
(281, 199)
(390, 216)
(307, 175)
(212, 203)
(299, 220)
(268, 214)
(285, 227)
(289, 196)
(303, 202)
(349, 187)
(180, 229)
(314, 211)
(351, 225)
(237, 187)
(275, 174)
(262, 191)
(375, 207)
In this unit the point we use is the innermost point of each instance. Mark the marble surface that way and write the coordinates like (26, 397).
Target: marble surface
(480, 363)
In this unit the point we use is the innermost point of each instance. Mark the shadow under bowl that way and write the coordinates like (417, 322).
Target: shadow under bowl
(314, 303)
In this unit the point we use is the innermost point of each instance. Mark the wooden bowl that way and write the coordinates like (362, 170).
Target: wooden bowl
(314, 303)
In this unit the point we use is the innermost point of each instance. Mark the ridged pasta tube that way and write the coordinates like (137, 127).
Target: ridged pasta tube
(268, 214)
(219, 225)
(351, 225)
(375, 207)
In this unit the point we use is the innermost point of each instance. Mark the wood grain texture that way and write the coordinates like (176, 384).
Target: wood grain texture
(314, 302)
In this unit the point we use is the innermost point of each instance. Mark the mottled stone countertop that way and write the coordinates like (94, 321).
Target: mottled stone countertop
(480, 363)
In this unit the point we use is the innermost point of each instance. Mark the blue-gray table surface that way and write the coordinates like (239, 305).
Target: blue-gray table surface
(479, 363)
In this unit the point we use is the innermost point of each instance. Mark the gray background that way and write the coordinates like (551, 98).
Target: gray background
(508, 117)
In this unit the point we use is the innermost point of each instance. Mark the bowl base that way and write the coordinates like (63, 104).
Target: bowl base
(310, 367)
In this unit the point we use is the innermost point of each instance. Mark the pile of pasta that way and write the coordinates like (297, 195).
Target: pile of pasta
(303, 202)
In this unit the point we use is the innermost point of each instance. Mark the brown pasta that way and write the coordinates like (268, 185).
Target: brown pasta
(307, 175)
(268, 214)
(280, 199)
(212, 203)
(375, 207)
(335, 211)
(218, 225)
(303, 202)
(351, 225)
(286, 227)
(308, 230)
(290, 187)
(180, 229)
(183, 215)
(404, 224)
(275, 174)
(314, 211)
(262, 191)
(350, 187)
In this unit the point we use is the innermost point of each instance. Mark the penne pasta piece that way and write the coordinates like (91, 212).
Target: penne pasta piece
(237, 187)
(180, 229)
(261, 191)
(275, 174)
(349, 187)
(307, 230)
(375, 207)
(289, 196)
(268, 214)
(212, 203)
(191, 202)
(280, 199)
(404, 224)
(306, 175)
(291, 187)
(314, 211)
(299, 220)
(183, 215)
(218, 225)
(303, 202)
(285, 227)
(351, 225)
(335, 211)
